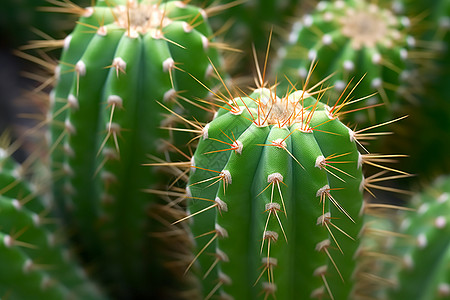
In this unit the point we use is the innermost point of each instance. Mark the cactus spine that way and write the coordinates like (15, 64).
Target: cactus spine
(117, 64)
(275, 199)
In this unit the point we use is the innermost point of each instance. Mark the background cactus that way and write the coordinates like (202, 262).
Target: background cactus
(353, 39)
(424, 273)
(275, 199)
(36, 264)
(117, 64)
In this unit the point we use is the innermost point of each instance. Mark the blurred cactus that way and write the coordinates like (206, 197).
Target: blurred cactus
(36, 264)
(353, 39)
(425, 253)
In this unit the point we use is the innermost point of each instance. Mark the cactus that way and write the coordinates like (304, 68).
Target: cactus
(426, 252)
(117, 64)
(36, 264)
(353, 39)
(275, 199)
(258, 162)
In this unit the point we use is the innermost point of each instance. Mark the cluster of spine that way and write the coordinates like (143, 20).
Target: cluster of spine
(352, 40)
(275, 200)
(120, 66)
(425, 252)
(35, 264)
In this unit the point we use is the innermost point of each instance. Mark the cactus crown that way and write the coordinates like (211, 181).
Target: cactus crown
(140, 17)
(367, 26)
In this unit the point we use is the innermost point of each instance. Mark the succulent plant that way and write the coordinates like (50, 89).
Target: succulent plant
(275, 199)
(118, 67)
(353, 39)
(274, 205)
(36, 263)
(424, 272)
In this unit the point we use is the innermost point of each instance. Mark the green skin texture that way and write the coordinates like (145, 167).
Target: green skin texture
(101, 192)
(427, 253)
(245, 219)
(306, 38)
(65, 278)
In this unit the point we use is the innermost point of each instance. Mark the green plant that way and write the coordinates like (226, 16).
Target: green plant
(353, 39)
(36, 263)
(274, 205)
(425, 252)
(120, 63)
(275, 199)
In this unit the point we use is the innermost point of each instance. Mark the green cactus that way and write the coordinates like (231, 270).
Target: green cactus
(275, 199)
(254, 233)
(377, 261)
(426, 253)
(353, 39)
(35, 262)
(117, 64)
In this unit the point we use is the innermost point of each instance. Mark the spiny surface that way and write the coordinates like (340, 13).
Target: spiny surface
(117, 64)
(36, 264)
(275, 195)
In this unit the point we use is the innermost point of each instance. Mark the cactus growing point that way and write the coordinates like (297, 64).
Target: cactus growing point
(354, 39)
